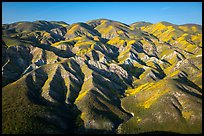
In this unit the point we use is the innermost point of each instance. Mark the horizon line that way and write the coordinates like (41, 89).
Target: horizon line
(97, 19)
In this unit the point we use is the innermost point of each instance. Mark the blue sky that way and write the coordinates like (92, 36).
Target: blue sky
(126, 12)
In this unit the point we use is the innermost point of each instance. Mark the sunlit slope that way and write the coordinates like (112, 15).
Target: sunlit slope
(37, 108)
(172, 105)
(80, 29)
(110, 29)
(187, 37)
(60, 85)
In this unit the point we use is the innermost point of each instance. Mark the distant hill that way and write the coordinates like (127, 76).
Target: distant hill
(140, 24)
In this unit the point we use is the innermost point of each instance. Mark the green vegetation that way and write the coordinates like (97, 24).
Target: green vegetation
(13, 41)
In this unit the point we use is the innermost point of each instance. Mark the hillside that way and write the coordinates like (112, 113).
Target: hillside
(102, 76)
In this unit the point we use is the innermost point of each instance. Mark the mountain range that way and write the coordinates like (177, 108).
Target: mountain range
(101, 76)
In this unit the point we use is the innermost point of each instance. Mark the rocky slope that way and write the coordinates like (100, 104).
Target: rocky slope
(101, 76)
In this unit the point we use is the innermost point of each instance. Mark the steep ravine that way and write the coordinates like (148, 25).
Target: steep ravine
(131, 114)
